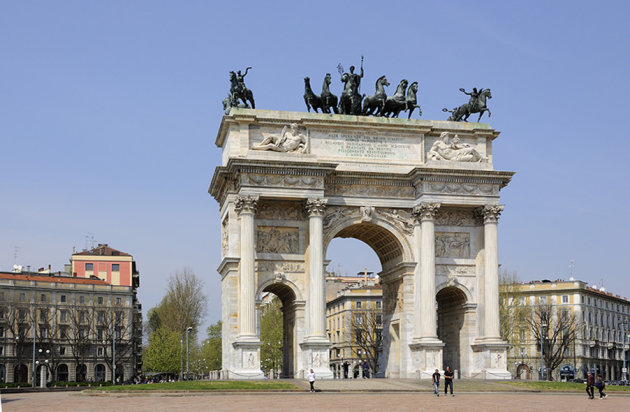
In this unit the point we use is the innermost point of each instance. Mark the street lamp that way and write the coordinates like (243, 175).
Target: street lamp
(188, 329)
(623, 349)
(33, 378)
(44, 373)
(181, 359)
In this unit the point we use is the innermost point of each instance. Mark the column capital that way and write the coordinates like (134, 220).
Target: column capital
(316, 207)
(246, 204)
(490, 213)
(425, 211)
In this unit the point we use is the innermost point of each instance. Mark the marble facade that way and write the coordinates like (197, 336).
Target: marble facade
(423, 194)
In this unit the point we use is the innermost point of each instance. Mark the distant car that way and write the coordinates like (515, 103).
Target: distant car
(567, 372)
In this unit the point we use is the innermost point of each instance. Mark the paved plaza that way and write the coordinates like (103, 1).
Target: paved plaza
(305, 401)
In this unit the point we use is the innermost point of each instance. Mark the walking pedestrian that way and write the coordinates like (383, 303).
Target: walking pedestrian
(600, 385)
(590, 383)
(366, 370)
(448, 380)
(311, 380)
(436, 383)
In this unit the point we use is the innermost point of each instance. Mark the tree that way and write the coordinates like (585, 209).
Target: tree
(212, 350)
(80, 336)
(367, 326)
(116, 327)
(557, 332)
(184, 304)
(271, 333)
(163, 352)
(513, 311)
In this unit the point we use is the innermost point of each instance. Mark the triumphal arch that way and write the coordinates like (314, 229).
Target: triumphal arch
(423, 195)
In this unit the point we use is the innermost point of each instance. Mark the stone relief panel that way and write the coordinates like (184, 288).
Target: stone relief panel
(452, 244)
(277, 239)
(290, 139)
(393, 296)
(400, 218)
(280, 210)
(276, 267)
(457, 217)
(224, 237)
(254, 179)
(452, 149)
(337, 213)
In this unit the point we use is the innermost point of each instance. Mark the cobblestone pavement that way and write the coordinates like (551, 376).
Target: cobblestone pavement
(307, 402)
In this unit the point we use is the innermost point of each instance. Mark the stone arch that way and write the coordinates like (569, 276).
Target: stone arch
(462, 288)
(391, 245)
(20, 373)
(451, 302)
(292, 314)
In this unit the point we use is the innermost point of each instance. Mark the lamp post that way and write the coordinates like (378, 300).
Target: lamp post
(181, 359)
(542, 365)
(34, 372)
(188, 329)
(623, 349)
(43, 374)
(114, 356)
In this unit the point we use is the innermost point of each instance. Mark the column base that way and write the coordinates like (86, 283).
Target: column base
(490, 359)
(316, 352)
(248, 359)
(426, 354)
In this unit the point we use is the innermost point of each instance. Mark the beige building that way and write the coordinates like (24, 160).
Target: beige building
(71, 328)
(600, 319)
(354, 319)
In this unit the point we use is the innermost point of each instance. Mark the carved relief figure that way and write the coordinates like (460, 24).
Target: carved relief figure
(270, 239)
(290, 140)
(400, 218)
(224, 237)
(366, 213)
(250, 360)
(280, 210)
(453, 150)
(452, 244)
(451, 217)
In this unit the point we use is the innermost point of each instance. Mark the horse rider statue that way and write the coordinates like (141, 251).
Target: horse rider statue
(239, 91)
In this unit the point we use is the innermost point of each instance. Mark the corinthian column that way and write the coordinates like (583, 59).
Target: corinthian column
(317, 299)
(246, 208)
(424, 282)
(491, 290)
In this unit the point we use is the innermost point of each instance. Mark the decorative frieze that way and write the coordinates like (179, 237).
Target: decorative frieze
(279, 180)
(277, 239)
(452, 244)
(279, 210)
(456, 217)
(462, 188)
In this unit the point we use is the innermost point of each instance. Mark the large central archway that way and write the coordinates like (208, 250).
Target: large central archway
(393, 327)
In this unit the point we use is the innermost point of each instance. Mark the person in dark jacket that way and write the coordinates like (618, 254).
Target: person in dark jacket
(590, 383)
(600, 385)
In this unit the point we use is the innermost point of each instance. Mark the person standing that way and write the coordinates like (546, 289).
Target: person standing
(311, 380)
(436, 383)
(448, 380)
(600, 386)
(590, 383)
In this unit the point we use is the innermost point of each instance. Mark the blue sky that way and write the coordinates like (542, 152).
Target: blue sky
(109, 111)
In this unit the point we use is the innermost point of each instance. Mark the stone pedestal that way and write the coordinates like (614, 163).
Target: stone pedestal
(248, 353)
(316, 356)
(427, 356)
(490, 360)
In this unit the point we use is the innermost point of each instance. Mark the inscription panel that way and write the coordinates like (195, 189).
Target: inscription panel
(366, 145)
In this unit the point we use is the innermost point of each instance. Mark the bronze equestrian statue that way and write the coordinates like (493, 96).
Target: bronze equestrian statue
(238, 90)
(310, 98)
(476, 104)
(374, 104)
(329, 100)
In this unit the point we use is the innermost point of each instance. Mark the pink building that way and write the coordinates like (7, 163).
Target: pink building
(111, 265)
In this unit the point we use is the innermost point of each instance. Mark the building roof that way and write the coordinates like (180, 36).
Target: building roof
(51, 278)
(101, 250)
(545, 285)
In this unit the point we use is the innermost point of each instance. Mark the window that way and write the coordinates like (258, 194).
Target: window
(1, 331)
(542, 300)
(379, 319)
(22, 315)
(1, 350)
(379, 304)
(99, 334)
(100, 317)
(359, 305)
(359, 319)
(99, 300)
(43, 331)
(63, 332)
(2, 313)
(63, 298)
(81, 299)
(565, 298)
(62, 350)
(115, 267)
(43, 314)
(82, 333)
(359, 336)
(42, 297)
(22, 332)
(565, 315)
(22, 297)
(82, 316)
(99, 352)
(119, 317)
(89, 266)
(63, 315)
(118, 301)
(581, 299)
(521, 335)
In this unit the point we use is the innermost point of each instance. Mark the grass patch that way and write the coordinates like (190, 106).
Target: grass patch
(205, 386)
(562, 386)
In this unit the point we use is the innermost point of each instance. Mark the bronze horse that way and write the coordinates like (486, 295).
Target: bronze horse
(310, 98)
(239, 91)
(375, 103)
(396, 103)
(462, 112)
(412, 100)
(329, 100)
